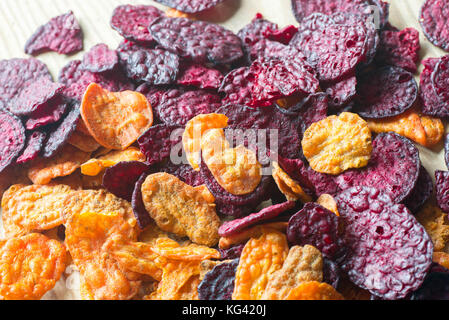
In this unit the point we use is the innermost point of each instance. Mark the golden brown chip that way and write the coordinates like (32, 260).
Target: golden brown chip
(171, 249)
(328, 202)
(64, 163)
(435, 221)
(94, 166)
(434, 129)
(208, 265)
(180, 208)
(301, 265)
(83, 141)
(115, 119)
(261, 258)
(73, 180)
(337, 143)
(289, 187)
(314, 290)
(32, 208)
(30, 266)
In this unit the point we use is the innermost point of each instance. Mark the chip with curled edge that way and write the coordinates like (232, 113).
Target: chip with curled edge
(260, 259)
(290, 188)
(180, 208)
(314, 290)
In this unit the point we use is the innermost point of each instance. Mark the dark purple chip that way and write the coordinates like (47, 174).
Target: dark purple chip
(153, 66)
(256, 30)
(442, 189)
(446, 150)
(218, 284)
(183, 172)
(100, 59)
(34, 145)
(190, 6)
(316, 226)
(385, 92)
(12, 139)
(331, 272)
(158, 141)
(399, 48)
(132, 21)
(342, 92)
(388, 252)
(121, 178)
(232, 253)
(61, 34)
(421, 193)
(142, 216)
(62, 132)
(435, 287)
(231, 210)
(432, 104)
(177, 107)
(35, 96)
(199, 76)
(393, 168)
(322, 182)
(198, 41)
(127, 47)
(50, 113)
(440, 80)
(229, 228)
(237, 86)
(18, 74)
(433, 20)
(271, 49)
(153, 95)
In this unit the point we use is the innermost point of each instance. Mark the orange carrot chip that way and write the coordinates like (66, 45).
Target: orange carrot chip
(314, 290)
(435, 221)
(289, 187)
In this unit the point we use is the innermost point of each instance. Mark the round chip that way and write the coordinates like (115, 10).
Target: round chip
(434, 23)
(218, 284)
(13, 141)
(190, 6)
(100, 59)
(314, 290)
(432, 103)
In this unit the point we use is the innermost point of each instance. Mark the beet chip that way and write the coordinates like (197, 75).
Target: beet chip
(232, 253)
(284, 35)
(50, 113)
(255, 31)
(394, 168)
(121, 178)
(229, 228)
(157, 142)
(190, 6)
(199, 76)
(197, 40)
(446, 150)
(421, 193)
(342, 92)
(442, 189)
(184, 172)
(440, 80)
(61, 34)
(232, 210)
(435, 287)
(132, 21)
(218, 284)
(35, 96)
(388, 252)
(432, 104)
(13, 138)
(34, 145)
(316, 226)
(100, 59)
(433, 20)
(17, 75)
(386, 92)
(271, 49)
(142, 216)
(177, 107)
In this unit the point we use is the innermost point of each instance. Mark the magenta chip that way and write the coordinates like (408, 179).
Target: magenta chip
(341, 92)
(13, 138)
(61, 34)
(142, 216)
(388, 252)
(183, 172)
(218, 284)
(199, 76)
(100, 59)
(442, 189)
(421, 193)
(50, 113)
(433, 20)
(190, 6)
(432, 104)
(34, 145)
(229, 228)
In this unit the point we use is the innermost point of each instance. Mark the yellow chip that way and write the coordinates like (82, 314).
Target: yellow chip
(289, 187)
(327, 201)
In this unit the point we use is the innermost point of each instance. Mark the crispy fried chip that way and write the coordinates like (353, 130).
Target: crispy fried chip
(193, 133)
(32, 208)
(260, 259)
(337, 143)
(101, 277)
(327, 201)
(64, 163)
(434, 129)
(30, 266)
(436, 223)
(442, 258)
(235, 169)
(289, 187)
(94, 166)
(180, 208)
(83, 141)
(115, 119)
(314, 290)
(171, 249)
(301, 265)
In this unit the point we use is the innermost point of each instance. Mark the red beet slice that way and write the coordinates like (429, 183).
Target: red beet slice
(442, 189)
(256, 30)
(100, 59)
(52, 112)
(13, 138)
(34, 145)
(237, 86)
(432, 104)
(283, 35)
(388, 252)
(184, 172)
(232, 253)
(229, 228)
(421, 193)
(433, 20)
(439, 79)
(197, 40)
(177, 107)
(393, 168)
(435, 287)
(132, 21)
(342, 92)
(271, 49)
(61, 34)
(296, 169)
(315, 225)
(32, 98)
(142, 216)
(121, 178)
(231, 210)
(399, 48)
(385, 92)
(127, 47)
(199, 76)
(17, 75)
(158, 141)
(218, 284)
(446, 150)
(190, 6)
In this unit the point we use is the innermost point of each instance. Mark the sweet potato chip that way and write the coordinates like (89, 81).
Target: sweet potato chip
(115, 119)
(64, 163)
(434, 129)
(180, 208)
(314, 290)
(171, 249)
(289, 187)
(83, 141)
(32, 208)
(328, 202)
(436, 223)
(30, 266)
